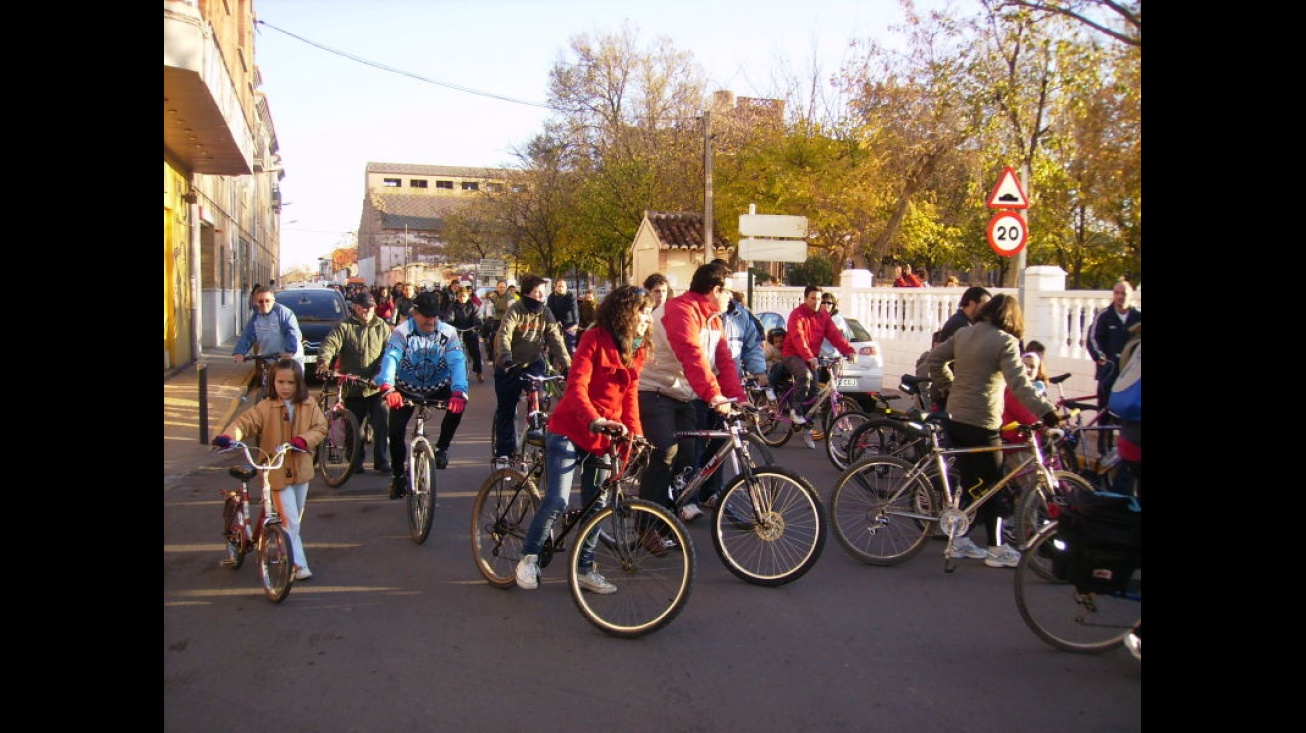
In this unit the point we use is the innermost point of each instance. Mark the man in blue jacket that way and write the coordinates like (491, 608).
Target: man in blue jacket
(273, 327)
(423, 357)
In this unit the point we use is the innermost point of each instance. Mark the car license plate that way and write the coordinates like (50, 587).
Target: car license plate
(845, 382)
(312, 358)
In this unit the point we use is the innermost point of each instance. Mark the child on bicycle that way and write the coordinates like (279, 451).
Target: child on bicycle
(602, 393)
(288, 415)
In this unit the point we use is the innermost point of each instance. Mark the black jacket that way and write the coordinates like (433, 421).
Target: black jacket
(564, 309)
(462, 315)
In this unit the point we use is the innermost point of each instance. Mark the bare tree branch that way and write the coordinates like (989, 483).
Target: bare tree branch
(1074, 9)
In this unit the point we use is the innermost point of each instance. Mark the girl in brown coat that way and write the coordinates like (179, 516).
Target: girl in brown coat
(286, 416)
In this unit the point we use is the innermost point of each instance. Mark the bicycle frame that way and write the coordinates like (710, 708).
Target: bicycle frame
(953, 520)
(827, 393)
(255, 534)
(733, 446)
(619, 473)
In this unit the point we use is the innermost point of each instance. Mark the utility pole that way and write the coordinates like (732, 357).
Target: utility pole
(708, 250)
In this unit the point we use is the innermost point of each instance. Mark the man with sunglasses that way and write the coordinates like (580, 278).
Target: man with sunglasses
(273, 327)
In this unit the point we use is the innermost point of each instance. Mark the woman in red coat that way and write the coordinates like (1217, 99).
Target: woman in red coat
(602, 392)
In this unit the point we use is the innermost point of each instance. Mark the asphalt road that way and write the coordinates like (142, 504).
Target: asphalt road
(390, 635)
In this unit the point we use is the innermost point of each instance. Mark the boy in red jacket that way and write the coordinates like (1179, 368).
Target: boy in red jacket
(809, 325)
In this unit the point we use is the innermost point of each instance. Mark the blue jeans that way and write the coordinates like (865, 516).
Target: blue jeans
(661, 418)
(508, 387)
(561, 457)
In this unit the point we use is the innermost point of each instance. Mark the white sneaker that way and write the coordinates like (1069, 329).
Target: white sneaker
(528, 572)
(595, 583)
(1002, 556)
(690, 512)
(1134, 643)
(807, 440)
(798, 419)
(965, 547)
(303, 573)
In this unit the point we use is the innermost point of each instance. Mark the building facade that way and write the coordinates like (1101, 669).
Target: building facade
(221, 174)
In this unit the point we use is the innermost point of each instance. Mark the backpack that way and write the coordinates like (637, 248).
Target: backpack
(1126, 399)
(1101, 534)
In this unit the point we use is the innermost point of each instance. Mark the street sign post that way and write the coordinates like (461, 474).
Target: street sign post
(1007, 233)
(1008, 194)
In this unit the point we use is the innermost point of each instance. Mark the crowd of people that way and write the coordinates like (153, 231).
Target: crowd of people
(645, 361)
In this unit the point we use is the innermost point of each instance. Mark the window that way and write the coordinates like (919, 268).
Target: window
(494, 187)
(417, 183)
(444, 184)
(470, 185)
(391, 182)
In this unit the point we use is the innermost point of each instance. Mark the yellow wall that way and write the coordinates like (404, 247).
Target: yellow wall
(177, 339)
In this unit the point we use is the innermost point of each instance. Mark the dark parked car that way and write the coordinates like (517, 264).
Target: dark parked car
(318, 311)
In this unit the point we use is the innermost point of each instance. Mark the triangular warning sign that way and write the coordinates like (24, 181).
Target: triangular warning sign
(1008, 194)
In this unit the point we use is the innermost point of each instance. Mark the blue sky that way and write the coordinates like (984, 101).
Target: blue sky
(333, 114)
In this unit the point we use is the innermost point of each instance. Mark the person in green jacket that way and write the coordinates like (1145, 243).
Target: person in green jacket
(358, 342)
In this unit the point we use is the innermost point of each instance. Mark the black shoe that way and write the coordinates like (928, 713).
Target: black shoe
(358, 469)
(398, 486)
(441, 458)
(382, 468)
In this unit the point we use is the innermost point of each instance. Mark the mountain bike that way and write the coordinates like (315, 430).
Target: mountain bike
(768, 522)
(1088, 448)
(263, 366)
(342, 447)
(420, 462)
(775, 425)
(883, 507)
(653, 583)
(265, 535)
(540, 394)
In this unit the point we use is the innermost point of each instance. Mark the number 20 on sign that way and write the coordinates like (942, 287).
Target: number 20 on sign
(1007, 233)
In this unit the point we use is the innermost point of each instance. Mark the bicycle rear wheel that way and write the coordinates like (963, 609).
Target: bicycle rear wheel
(652, 586)
(1059, 614)
(878, 517)
(769, 427)
(340, 448)
(233, 533)
(838, 434)
(887, 436)
(276, 562)
(778, 539)
(421, 494)
(501, 515)
(1040, 506)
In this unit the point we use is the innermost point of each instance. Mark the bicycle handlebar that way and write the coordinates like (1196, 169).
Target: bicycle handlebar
(274, 461)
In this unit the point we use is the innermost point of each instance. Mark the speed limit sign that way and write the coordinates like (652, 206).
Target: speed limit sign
(1007, 233)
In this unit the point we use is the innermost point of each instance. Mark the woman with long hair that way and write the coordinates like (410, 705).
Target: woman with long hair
(602, 393)
(971, 368)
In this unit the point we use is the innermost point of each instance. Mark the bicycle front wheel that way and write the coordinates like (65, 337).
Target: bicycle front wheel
(769, 530)
(652, 582)
(501, 515)
(838, 433)
(233, 532)
(1041, 505)
(1061, 615)
(276, 561)
(887, 436)
(421, 494)
(879, 517)
(339, 449)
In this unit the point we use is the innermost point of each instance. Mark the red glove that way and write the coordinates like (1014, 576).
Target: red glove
(458, 403)
(299, 442)
(392, 398)
(222, 441)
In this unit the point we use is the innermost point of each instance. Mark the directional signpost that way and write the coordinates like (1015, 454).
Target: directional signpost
(771, 238)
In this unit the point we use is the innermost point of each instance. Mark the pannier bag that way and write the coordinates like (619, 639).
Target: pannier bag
(1102, 534)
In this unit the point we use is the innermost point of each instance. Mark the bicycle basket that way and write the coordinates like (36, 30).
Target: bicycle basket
(1101, 541)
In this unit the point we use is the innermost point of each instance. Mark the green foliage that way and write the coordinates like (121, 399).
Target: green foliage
(817, 270)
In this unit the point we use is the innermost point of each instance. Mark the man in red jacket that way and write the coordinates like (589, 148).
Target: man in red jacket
(809, 325)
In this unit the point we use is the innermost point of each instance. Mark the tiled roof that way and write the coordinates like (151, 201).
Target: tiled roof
(415, 211)
(436, 170)
(682, 230)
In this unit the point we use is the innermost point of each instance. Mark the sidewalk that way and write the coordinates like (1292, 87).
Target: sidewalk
(183, 452)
